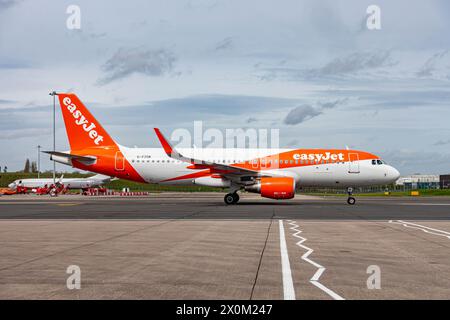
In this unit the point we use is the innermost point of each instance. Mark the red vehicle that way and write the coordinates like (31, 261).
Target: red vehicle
(21, 190)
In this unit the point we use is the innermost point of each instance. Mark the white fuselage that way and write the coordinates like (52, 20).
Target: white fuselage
(154, 166)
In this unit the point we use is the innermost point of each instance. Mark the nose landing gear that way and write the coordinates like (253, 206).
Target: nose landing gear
(231, 198)
(350, 200)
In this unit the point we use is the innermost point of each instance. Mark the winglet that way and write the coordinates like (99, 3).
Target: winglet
(165, 144)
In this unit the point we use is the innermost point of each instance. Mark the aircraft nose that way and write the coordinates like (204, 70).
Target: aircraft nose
(12, 185)
(393, 174)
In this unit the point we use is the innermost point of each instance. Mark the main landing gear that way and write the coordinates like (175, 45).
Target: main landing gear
(350, 199)
(231, 198)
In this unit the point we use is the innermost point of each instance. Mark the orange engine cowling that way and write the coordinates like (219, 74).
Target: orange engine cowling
(274, 188)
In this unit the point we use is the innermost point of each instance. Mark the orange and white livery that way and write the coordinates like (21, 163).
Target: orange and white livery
(274, 173)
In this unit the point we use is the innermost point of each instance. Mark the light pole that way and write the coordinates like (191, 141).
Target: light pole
(39, 161)
(53, 93)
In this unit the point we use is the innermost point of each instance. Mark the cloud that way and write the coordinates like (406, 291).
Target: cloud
(202, 4)
(125, 62)
(409, 161)
(387, 97)
(251, 119)
(301, 114)
(293, 143)
(354, 62)
(6, 101)
(332, 104)
(442, 142)
(5, 4)
(24, 133)
(429, 66)
(87, 35)
(207, 107)
(13, 64)
(225, 44)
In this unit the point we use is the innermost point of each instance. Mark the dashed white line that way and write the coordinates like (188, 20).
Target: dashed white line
(425, 229)
(288, 285)
(320, 269)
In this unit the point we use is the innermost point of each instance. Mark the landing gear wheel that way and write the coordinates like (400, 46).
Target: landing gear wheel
(236, 197)
(231, 198)
(351, 200)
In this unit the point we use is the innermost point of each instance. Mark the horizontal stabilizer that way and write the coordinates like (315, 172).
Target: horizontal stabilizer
(69, 156)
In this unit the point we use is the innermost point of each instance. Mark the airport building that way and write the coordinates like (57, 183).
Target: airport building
(444, 181)
(419, 181)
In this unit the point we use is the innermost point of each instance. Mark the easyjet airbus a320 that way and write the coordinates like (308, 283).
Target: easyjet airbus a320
(273, 173)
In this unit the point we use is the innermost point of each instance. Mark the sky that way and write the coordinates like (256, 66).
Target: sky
(312, 69)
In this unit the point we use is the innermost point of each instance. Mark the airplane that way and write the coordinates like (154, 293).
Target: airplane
(69, 183)
(273, 173)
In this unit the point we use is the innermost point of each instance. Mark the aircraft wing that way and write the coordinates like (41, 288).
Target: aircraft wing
(219, 168)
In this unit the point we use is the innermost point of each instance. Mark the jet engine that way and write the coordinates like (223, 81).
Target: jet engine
(274, 188)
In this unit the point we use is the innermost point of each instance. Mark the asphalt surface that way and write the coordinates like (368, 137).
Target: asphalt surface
(192, 246)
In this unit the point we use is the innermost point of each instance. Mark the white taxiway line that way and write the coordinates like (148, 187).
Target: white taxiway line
(288, 285)
(422, 204)
(425, 229)
(320, 269)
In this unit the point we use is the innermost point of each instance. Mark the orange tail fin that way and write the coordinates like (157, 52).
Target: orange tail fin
(83, 130)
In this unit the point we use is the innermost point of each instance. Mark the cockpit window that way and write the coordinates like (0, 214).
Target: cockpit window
(379, 161)
(374, 162)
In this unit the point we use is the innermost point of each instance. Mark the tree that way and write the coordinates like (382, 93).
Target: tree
(27, 166)
(33, 167)
(5, 169)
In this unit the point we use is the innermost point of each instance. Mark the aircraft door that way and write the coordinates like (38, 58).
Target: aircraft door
(119, 161)
(353, 163)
